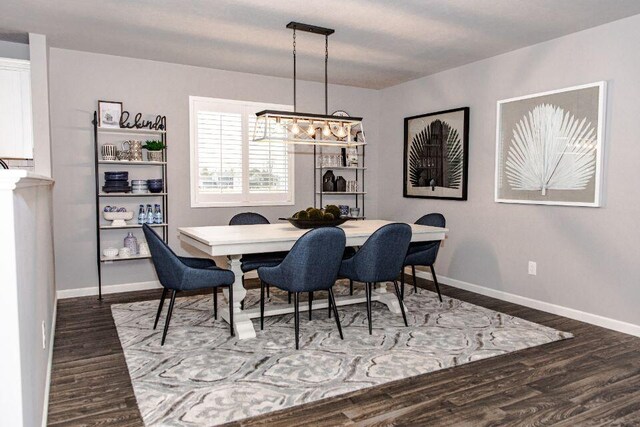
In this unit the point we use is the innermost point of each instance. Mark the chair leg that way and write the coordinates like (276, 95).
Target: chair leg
(413, 274)
(215, 303)
(231, 310)
(368, 291)
(435, 280)
(289, 296)
(268, 291)
(261, 305)
(164, 294)
(350, 287)
(329, 303)
(296, 315)
(332, 304)
(242, 302)
(404, 315)
(310, 304)
(166, 322)
(402, 282)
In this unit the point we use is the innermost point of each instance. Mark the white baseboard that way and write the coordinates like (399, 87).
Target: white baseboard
(108, 289)
(47, 387)
(594, 319)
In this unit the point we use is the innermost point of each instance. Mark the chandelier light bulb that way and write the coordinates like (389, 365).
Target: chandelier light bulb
(311, 130)
(295, 129)
(326, 130)
(341, 132)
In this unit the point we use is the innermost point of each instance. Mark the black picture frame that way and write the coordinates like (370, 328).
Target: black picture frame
(438, 158)
(115, 122)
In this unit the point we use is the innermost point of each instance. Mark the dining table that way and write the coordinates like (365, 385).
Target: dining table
(235, 241)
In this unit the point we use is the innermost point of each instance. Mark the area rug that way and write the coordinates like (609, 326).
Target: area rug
(202, 376)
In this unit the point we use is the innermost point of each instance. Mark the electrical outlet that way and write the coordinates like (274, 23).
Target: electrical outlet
(44, 335)
(533, 267)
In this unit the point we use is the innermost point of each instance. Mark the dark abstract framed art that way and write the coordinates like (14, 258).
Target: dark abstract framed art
(436, 160)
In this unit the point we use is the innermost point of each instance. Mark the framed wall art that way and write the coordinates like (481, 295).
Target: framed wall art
(109, 113)
(549, 147)
(436, 160)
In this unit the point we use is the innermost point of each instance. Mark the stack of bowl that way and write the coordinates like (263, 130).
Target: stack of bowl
(155, 185)
(116, 182)
(139, 186)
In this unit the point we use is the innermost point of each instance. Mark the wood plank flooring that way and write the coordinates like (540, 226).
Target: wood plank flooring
(593, 379)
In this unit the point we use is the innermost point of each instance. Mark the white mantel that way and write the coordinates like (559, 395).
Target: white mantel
(27, 306)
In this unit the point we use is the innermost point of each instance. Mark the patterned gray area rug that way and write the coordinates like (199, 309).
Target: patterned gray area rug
(202, 376)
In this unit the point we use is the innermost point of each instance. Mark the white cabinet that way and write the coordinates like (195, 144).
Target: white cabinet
(16, 130)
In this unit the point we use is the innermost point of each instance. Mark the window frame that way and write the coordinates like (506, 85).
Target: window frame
(244, 199)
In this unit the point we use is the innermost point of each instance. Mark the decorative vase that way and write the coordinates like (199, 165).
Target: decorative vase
(154, 156)
(131, 243)
(341, 184)
(328, 181)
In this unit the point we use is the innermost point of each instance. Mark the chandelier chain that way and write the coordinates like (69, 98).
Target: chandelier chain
(294, 70)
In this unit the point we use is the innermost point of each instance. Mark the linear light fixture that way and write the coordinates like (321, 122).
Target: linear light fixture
(309, 128)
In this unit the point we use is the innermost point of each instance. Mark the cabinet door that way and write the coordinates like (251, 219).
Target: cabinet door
(16, 132)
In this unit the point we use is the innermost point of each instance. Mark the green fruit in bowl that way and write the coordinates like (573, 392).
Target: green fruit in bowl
(328, 216)
(302, 215)
(315, 214)
(334, 210)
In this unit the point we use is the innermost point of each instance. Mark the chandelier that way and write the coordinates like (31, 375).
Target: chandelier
(293, 127)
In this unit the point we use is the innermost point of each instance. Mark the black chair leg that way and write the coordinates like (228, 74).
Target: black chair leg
(231, 310)
(368, 292)
(268, 291)
(310, 304)
(413, 273)
(296, 315)
(164, 294)
(332, 304)
(242, 302)
(215, 303)
(350, 287)
(402, 282)
(261, 305)
(435, 280)
(166, 322)
(289, 296)
(329, 303)
(404, 315)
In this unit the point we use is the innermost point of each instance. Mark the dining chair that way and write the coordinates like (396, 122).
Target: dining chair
(379, 260)
(424, 253)
(311, 265)
(178, 273)
(252, 262)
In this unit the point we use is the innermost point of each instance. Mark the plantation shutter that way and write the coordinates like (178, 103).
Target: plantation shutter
(227, 167)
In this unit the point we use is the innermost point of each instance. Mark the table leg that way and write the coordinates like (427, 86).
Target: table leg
(241, 321)
(387, 298)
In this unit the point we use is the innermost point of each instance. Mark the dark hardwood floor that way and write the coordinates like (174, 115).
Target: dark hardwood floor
(592, 379)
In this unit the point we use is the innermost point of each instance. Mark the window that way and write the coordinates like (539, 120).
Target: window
(227, 168)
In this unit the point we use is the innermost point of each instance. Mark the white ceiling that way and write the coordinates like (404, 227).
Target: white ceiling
(376, 44)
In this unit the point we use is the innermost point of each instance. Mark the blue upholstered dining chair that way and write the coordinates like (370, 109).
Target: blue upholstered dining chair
(178, 273)
(424, 253)
(379, 260)
(311, 265)
(252, 262)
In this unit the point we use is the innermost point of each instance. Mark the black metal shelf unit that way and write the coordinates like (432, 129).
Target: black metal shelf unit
(358, 171)
(101, 197)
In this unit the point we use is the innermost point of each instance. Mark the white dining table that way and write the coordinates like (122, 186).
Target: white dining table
(235, 241)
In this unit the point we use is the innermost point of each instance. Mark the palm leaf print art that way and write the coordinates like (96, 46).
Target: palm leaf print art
(435, 156)
(551, 150)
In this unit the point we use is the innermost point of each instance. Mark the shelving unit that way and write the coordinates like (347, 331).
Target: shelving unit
(103, 226)
(354, 172)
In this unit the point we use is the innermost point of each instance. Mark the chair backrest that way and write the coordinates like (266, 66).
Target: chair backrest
(314, 260)
(248, 218)
(169, 268)
(382, 255)
(433, 220)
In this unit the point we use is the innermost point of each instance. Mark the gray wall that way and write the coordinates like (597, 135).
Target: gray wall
(587, 257)
(78, 80)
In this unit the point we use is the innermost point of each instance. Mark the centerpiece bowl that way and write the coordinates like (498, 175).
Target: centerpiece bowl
(317, 218)
(315, 223)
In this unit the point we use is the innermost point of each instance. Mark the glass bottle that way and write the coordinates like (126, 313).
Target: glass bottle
(157, 216)
(149, 215)
(132, 243)
(142, 217)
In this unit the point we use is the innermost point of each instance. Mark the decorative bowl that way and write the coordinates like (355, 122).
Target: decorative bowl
(116, 176)
(110, 252)
(312, 223)
(118, 219)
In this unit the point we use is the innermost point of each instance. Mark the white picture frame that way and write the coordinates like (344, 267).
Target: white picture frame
(567, 174)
